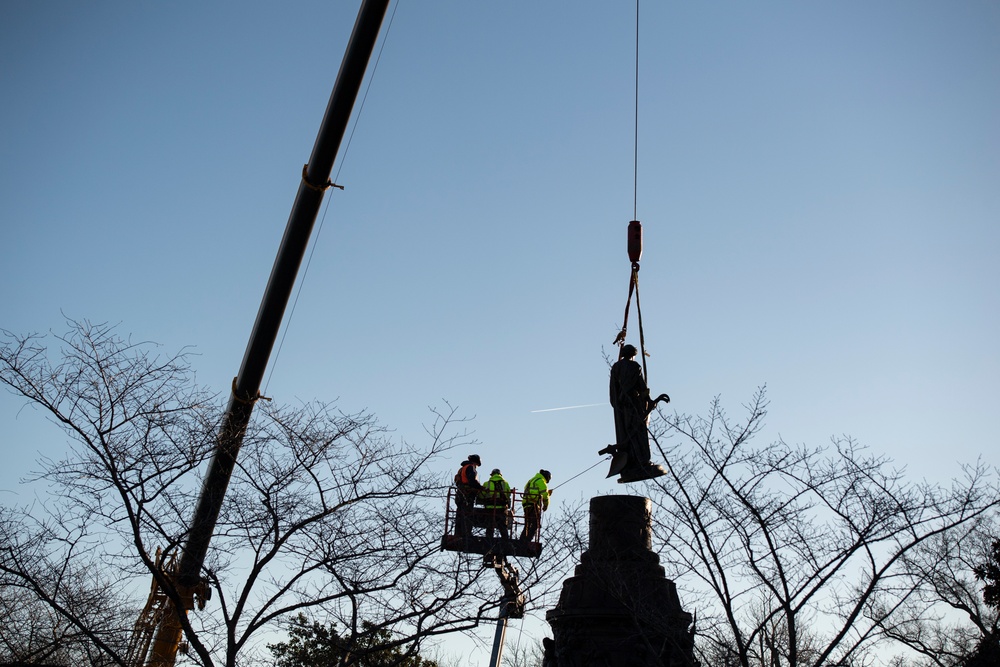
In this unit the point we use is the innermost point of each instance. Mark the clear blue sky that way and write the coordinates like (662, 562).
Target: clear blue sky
(819, 185)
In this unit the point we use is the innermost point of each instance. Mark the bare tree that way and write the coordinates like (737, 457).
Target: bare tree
(772, 642)
(325, 513)
(524, 654)
(803, 551)
(943, 617)
(31, 632)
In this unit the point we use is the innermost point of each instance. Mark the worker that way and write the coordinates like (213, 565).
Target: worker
(535, 500)
(632, 405)
(467, 489)
(495, 497)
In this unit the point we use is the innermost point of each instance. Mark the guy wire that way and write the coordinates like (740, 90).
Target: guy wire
(336, 179)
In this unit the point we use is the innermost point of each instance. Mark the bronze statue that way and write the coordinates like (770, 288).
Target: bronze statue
(632, 404)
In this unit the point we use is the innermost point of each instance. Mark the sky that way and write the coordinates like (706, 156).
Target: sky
(819, 186)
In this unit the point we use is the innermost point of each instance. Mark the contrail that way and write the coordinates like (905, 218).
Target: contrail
(569, 407)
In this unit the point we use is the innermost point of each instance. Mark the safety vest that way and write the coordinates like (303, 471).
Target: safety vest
(463, 476)
(536, 492)
(495, 493)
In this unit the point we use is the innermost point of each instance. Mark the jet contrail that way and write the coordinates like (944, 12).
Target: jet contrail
(569, 407)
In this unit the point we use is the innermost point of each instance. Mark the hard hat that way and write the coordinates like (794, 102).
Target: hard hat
(495, 471)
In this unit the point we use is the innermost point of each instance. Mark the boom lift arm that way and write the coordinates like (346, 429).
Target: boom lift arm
(511, 604)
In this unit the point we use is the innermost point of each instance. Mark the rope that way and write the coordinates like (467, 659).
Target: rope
(330, 183)
(580, 473)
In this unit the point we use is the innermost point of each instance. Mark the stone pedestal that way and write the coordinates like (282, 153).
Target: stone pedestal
(619, 609)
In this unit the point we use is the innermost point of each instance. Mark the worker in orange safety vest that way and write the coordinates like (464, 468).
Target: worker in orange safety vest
(467, 489)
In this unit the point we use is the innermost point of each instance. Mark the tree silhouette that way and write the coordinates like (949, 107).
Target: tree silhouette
(326, 512)
(313, 644)
(801, 550)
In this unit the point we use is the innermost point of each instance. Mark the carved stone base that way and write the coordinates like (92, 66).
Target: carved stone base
(619, 609)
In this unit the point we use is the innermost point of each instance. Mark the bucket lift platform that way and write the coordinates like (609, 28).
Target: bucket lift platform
(487, 529)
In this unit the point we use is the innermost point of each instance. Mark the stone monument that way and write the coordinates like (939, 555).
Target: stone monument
(619, 609)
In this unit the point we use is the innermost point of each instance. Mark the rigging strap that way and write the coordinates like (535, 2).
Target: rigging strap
(633, 286)
(632, 283)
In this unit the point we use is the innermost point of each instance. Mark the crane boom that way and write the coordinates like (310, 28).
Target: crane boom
(246, 385)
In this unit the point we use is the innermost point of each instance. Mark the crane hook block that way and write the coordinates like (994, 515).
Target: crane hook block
(634, 240)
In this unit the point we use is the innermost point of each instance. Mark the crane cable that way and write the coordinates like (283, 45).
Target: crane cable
(635, 227)
(635, 141)
(331, 183)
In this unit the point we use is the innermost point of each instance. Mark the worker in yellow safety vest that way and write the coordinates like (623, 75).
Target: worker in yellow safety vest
(495, 497)
(535, 500)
